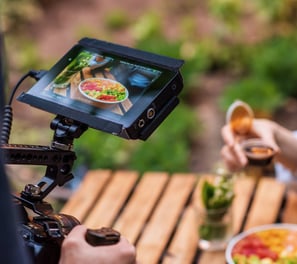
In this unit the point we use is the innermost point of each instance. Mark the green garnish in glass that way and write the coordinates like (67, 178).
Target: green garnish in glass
(216, 197)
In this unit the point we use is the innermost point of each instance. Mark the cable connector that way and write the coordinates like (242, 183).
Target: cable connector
(37, 75)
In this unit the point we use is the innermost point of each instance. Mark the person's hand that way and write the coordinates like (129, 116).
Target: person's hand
(75, 250)
(233, 154)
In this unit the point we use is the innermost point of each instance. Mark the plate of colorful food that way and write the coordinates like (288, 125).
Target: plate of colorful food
(103, 90)
(268, 244)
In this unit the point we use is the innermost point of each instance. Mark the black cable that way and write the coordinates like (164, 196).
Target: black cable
(16, 87)
(7, 112)
(34, 74)
(6, 124)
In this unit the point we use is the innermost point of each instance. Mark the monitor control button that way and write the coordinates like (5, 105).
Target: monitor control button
(141, 123)
(150, 113)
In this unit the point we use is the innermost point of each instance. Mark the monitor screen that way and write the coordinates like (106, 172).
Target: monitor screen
(106, 90)
(101, 84)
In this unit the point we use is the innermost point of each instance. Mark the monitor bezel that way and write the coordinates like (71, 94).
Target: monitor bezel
(104, 119)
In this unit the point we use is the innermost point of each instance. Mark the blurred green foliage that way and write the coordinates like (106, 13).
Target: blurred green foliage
(269, 76)
(167, 148)
(261, 94)
(150, 37)
(117, 19)
(276, 60)
(228, 11)
(17, 13)
(26, 54)
(170, 147)
(278, 12)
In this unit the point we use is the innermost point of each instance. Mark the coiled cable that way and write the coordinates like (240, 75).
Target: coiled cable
(8, 112)
(6, 124)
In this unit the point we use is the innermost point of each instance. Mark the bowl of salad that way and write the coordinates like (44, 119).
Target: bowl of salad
(268, 244)
(103, 90)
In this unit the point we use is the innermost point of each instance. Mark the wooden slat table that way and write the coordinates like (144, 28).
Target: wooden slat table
(155, 211)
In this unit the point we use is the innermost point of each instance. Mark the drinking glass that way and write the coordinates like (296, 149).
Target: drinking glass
(213, 204)
(214, 228)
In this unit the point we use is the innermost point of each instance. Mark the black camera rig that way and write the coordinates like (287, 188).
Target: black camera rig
(58, 158)
(45, 233)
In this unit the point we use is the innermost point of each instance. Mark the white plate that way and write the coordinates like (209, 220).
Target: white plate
(243, 235)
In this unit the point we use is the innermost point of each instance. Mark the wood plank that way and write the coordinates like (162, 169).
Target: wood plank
(184, 244)
(160, 227)
(86, 194)
(212, 257)
(243, 188)
(267, 201)
(290, 212)
(141, 204)
(112, 199)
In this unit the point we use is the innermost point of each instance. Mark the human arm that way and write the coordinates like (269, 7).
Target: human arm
(76, 250)
(287, 142)
(279, 138)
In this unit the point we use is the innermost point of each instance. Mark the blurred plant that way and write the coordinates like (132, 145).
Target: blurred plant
(85, 30)
(148, 25)
(150, 37)
(179, 6)
(276, 60)
(276, 11)
(96, 149)
(261, 94)
(17, 13)
(188, 28)
(194, 54)
(25, 55)
(117, 19)
(228, 57)
(228, 11)
(268, 76)
(169, 147)
(24, 133)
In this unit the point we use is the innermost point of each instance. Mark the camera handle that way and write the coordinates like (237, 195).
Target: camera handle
(58, 158)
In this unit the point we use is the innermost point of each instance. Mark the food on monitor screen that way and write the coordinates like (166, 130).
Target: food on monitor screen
(103, 90)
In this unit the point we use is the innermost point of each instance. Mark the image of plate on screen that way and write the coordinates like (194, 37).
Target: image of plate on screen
(103, 90)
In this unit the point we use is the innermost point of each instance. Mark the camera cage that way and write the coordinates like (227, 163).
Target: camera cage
(58, 159)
